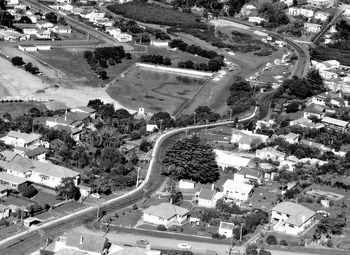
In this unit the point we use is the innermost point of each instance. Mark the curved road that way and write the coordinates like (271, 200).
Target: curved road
(30, 240)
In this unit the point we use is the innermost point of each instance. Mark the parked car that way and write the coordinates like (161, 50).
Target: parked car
(142, 243)
(184, 246)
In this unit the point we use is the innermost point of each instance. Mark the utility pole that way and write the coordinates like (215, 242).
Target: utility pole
(98, 212)
(194, 118)
(138, 176)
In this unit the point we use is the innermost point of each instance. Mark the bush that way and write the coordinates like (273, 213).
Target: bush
(283, 242)
(17, 61)
(28, 191)
(134, 207)
(161, 228)
(218, 236)
(176, 229)
(271, 240)
(264, 252)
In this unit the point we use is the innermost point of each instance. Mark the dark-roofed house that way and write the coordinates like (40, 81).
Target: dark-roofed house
(291, 218)
(16, 204)
(81, 243)
(270, 153)
(206, 198)
(86, 110)
(226, 229)
(314, 110)
(8, 155)
(165, 214)
(36, 154)
(12, 181)
(248, 175)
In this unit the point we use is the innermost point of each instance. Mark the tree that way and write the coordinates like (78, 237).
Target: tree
(17, 61)
(251, 249)
(174, 191)
(128, 56)
(25, 19)
(62, 21)
(271, 240)
(264, 252)
(51, 17)
(192, 159)
(28, 191)
(315, 80)
(145, 145)
(67, 190)
(102, 75)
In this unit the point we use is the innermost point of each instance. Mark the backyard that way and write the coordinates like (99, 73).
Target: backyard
(155, 91)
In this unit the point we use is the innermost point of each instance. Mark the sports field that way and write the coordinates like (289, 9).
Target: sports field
(154, 90)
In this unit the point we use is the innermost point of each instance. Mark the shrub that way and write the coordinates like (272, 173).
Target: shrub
(134, 207)
(283, 242)
(161, 228)
(271, 239)
(28, 191)
(176, 228)
(264, 252)
(218, 236)
(17, 61)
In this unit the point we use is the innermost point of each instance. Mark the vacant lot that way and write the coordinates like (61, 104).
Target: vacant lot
(155, 14)
(155, 91)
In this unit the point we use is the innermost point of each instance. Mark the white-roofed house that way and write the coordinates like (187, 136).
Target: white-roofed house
(312, 27)
(247, 139)
(291, 138)
(86, 110)
(186, 184)
(46, 174)
(207, 197)
(13, 182)
(19, 139)
(4, 211)
(236, 190)
(165, 214)
(229, 159)
(333, 123)
(291, 218)
(320, 15)
(270, 153)
(226, 229)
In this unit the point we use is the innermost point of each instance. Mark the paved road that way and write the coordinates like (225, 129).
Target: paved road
(29, 241)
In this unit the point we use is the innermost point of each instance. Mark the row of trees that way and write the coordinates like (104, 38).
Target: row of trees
(192, 49)
(213, 65)
(156, 59)
(18, 61)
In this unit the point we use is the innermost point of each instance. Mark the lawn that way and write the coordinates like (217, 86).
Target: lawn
(10, 231)
(46, 198)
(72, 63)
(265, 196)
(155, 14)
(154, 90)
(129, 219)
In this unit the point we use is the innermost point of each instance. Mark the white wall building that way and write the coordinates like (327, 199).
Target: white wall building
(230, 159)
(291, 218)
(226, 229)
(19, 139)
(236, 190)
(165, 214)
(312, 27)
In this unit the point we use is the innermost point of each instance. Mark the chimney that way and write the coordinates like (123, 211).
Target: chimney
(212, 186)
(81, 239)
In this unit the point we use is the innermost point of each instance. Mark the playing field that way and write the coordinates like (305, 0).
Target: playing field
(154, 90)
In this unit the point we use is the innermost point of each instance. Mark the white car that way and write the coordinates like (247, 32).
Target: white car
(184, 246)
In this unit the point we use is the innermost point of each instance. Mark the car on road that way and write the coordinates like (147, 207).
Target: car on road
(184, 246)
(142, 243)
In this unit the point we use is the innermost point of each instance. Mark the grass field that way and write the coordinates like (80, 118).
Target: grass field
(155, 14)
(72, 63)
(155, 91)
(19, 108)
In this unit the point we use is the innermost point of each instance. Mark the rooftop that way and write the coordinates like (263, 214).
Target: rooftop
(238, 186)
(11, 178)
(85, 109)
(16, 202)
(298, 214)
(250, 171)
(336, 122)
(85, 242)
(28, 138)
(8, 155)
(35, 152)
(314, 108)
(227, 225)
(165, 210)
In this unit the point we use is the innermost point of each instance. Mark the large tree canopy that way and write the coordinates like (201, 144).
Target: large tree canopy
(191, 159)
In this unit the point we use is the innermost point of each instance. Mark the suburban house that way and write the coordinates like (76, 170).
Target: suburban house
(248, 175)
(256, 20)
(27, 47)
(270, 153)
(46, 174)
(8, 155)
(247, 9)
(321, 3)
(226, 159)
(314, 110)
(326, 65)
(4, 211)
(43, 24)
(335, 99)
(207, 197)
(165, 214)
(226, 229)
(43, 34)
(247, 139)
(62, 29)
(186, 184)
(236, 190)
(4, 191)
(16, 204)
(307, 123)
(291, 138)
(36, 154)
(312, 27)
(320, 15)
(14, 182)
(81, 243)
(294, 11)
(335, 123)
(19, 139)
(70, 119)
(85, 110)
(291, 218)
